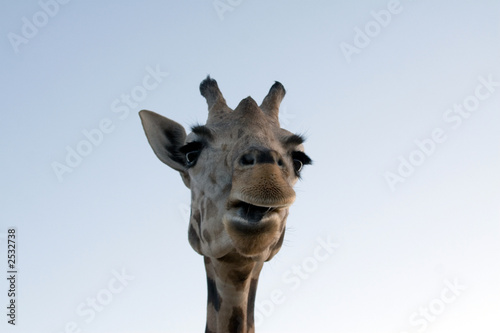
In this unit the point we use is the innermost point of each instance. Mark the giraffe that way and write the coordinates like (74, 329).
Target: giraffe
(240, 167)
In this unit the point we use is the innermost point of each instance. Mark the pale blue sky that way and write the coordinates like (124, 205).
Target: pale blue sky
(121, 210)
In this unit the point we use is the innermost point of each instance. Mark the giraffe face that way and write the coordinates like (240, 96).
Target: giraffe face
(241, 168)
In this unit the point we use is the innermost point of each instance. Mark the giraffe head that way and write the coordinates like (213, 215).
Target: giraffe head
(241, 168)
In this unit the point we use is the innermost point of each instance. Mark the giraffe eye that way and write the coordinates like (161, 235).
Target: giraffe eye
(192, 156)
(297, 165)
(299, 160)
(191, 152)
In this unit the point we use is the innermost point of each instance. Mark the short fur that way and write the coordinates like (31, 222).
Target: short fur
(241, 167)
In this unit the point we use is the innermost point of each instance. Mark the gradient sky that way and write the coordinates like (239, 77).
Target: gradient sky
(375, 86)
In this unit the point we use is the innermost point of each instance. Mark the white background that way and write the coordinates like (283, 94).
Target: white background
(121, 210)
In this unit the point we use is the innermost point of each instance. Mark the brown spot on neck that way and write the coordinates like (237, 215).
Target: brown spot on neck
(232, 286)
(237, 321)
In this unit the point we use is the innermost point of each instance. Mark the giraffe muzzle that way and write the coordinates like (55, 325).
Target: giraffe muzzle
(258, 193)
(257, 206)
(263, 185)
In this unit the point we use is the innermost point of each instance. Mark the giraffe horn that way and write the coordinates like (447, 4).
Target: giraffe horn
(271, 103)
(216, 102)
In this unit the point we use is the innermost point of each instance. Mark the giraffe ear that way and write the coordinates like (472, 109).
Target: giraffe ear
(166, 137)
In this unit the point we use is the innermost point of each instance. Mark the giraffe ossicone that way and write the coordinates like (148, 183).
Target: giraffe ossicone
(241, 167)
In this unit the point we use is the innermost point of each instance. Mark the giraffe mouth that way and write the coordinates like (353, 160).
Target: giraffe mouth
(253, 213)
(254, 228)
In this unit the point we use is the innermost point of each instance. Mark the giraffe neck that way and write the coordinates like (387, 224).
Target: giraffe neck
(232, 284)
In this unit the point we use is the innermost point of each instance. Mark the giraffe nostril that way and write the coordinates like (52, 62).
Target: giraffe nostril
(247, 159)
